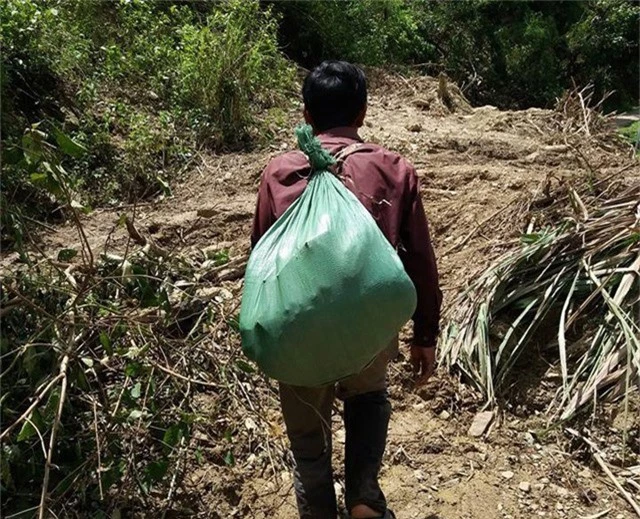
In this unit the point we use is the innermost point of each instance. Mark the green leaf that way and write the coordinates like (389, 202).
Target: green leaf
(12, 155)
(132, 369)
(245, 366)
(46, 181)
(68, 145)
(52, 404)
(80, 378)
(32, 148)
(39, 178)
(106, 343)
(28, 430)
(221, 257)
(229, 459)
(166, 188)
(234, 323)
(173, 435)
(112, 475)
(67, 254)
(121, 220)
(135, 414)
(136, 390)
(199, 456)
(156, 470)
(87, 361)
(529, 239)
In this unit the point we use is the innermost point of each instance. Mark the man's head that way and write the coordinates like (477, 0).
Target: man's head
(335, 94)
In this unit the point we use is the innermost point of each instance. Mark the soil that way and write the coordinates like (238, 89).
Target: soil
(480, 169)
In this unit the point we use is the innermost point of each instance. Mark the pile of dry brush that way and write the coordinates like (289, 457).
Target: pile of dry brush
(106, 363)
(568, 291)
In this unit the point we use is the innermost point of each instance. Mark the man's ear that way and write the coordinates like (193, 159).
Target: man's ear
(307, 117)
(360, 118)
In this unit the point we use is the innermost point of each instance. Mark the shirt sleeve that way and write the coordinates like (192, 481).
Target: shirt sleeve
(264, 216)
(418, 257)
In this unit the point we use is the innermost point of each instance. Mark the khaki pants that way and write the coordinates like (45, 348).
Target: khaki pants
(307, 414)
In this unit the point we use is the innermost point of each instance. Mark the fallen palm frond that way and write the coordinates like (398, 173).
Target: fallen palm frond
(583, 274)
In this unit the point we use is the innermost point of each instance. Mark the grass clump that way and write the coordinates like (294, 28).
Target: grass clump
(632, 134)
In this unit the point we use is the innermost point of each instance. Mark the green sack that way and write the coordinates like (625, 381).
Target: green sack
(324, 290)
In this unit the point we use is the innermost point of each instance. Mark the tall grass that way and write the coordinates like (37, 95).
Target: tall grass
(231, 66)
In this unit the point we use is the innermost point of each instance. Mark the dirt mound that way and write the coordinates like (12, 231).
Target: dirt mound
(438, 96)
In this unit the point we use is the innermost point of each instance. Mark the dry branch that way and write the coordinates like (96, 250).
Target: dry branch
(597, 455)
(52, 442)
(30, 409)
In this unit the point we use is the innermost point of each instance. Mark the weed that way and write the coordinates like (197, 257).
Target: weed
(632, 134)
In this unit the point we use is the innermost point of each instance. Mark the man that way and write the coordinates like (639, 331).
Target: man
(335, 105)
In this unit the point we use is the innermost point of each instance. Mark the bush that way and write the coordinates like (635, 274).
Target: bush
(632, 134)
(533, 72)
(605, 49)
(372, 32)
(103, 361)
(230, 66)
(102, 356)
(511, 54)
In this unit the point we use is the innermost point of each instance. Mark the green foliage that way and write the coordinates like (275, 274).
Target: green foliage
(33, 170)
(511, 54)
(84, 341)
(136, 84)
(604, 48)
(632, 133)
(230, 65)
(533, 71)
(111, 326)
(372, 32)
(128, 401)
(139, 84)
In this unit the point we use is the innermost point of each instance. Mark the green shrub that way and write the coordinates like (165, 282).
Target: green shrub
(632, 134)
(533, 71)
(605, 50)
(511, 54)
(230, 65)
(371, 32)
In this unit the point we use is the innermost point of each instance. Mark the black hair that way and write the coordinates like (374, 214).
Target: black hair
(334, 93)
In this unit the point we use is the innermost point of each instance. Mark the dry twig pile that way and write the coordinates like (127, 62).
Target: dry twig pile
(106, 360)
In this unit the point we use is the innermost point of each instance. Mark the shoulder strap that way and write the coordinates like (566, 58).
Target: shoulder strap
(344, 153)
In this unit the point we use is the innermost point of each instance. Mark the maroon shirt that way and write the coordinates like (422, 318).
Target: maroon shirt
(387, 185)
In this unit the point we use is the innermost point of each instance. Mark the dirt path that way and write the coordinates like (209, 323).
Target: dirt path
(473, 166)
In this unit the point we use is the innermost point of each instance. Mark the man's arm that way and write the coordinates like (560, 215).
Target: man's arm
(264, 217)
(419, 261)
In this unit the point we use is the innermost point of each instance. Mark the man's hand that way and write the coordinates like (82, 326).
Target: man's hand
(423, 360)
